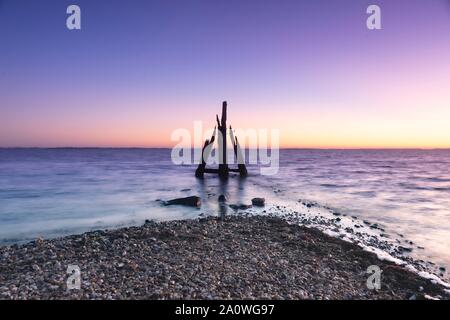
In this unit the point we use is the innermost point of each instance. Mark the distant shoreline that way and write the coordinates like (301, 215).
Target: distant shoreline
(235, 258)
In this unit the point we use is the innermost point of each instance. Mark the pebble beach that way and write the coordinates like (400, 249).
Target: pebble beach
(232, 257)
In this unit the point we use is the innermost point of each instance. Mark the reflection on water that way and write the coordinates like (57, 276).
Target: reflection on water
(52, 192)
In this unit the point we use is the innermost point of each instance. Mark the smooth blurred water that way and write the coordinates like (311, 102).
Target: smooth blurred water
(52, 192)
(408, 191)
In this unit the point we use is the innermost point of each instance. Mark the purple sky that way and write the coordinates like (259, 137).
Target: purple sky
(140, 69)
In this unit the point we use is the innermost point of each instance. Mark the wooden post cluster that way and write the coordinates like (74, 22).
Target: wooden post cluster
(223, 169)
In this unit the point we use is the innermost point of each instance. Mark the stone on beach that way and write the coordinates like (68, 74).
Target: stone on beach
(240, 206)
(258, 202)
(193, 201)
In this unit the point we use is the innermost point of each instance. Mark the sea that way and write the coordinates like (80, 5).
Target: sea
(404, 193)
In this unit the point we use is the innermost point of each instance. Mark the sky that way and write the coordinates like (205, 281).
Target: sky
(138, 70)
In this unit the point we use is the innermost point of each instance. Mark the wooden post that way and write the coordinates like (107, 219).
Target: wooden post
(201, 167)
(240, 159)
(223, 166)
(238, 154)
(206, 151)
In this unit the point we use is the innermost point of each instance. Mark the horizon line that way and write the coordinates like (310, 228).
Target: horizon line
(281, 148)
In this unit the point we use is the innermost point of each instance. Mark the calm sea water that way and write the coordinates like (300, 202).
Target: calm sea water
(53, 192)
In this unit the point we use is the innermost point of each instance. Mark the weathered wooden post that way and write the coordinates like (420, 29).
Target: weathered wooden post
(240, 159)
(223, 166)
(238, 154)
(206, 151)
(201, 167)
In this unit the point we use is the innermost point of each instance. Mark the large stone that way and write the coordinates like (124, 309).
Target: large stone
(193, 201)
(259, 202)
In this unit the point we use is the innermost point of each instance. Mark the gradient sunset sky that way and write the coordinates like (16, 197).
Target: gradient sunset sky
(140, 69)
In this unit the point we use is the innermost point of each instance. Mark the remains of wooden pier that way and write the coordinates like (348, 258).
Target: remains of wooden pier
(223, 169)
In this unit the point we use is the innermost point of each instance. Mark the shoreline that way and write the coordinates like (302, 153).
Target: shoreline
(257, 257)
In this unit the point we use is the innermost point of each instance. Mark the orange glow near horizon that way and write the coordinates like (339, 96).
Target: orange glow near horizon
(311, 129)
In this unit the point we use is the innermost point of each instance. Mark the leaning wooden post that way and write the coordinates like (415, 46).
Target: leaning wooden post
(240, 159)
(238, 154)
(206, 152)
(201, 167)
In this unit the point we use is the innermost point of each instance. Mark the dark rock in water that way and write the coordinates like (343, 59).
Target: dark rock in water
(259, 202)
(185, 190)
(336, 213)
(240, 206)
(222, 198)
(193, 201)
(404, 249)
(442, 269)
